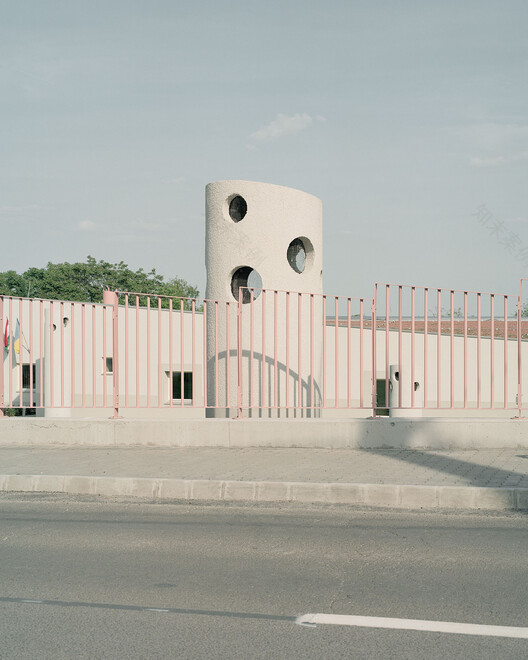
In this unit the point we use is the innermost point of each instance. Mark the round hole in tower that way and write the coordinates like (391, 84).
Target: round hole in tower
(248, 279)
(300, 254)
(237, 208)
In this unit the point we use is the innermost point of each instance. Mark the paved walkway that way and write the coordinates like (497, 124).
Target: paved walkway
(502, 474)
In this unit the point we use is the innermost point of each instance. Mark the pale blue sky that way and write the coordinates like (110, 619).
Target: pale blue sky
(403, 117)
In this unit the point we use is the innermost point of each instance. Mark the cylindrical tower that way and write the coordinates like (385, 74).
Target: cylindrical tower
(264, 346)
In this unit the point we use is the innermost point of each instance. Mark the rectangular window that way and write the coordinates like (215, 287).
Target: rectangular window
(109, 365)
(187, 385)
(381, 397)
(27, 382)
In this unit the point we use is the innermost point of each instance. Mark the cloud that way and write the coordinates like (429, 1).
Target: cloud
(86, 225)
(493, 161)
(281, 126)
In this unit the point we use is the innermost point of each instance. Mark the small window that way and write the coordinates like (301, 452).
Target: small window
(297, 255)
(243, 278)
(187, 385)
(381, 389)
(109, 365)
(237, 208)
(28, 381)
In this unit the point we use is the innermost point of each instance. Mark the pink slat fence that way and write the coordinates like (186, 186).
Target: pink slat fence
(268, 354)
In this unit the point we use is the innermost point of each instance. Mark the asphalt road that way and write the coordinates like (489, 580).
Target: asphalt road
(138, 580)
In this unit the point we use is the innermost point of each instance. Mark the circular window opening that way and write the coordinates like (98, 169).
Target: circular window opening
(237, 208)
(246, 278)
(297, 255)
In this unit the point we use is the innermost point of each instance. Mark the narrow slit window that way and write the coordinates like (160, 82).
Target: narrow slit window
(187, 385)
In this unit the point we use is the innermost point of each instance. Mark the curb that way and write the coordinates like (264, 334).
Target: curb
(376, 495)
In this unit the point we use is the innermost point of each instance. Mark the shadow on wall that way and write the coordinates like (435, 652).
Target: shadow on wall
(302, 395)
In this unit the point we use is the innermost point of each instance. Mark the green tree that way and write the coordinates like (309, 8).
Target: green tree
(85, 282)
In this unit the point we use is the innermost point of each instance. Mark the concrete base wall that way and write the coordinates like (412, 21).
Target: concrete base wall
(319, 433)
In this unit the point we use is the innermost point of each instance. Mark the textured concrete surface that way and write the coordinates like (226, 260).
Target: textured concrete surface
(401, 433)
(412, 479)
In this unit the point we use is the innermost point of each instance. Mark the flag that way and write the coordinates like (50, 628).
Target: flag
(16, 338)
(6, 336)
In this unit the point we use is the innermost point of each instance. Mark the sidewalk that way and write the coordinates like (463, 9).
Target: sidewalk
(413, 479)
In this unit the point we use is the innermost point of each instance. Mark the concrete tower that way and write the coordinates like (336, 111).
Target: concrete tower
(264, 345)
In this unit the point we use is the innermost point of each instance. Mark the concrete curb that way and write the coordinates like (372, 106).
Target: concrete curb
(377, 495)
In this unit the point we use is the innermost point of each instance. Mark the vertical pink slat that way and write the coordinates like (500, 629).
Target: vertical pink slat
(373, 323)
(104, 309)
(182, 354)
(336, 341)
(349, 356)
(263, 394)
(137, 353)
(275, 356)
(62, 351)
(72, 333)
(31, 383)
(148, 351)
(452, 351)
(426, 338)
(2, 330)
(479, 366)
(216, 346)
(492, 353)
(171, 356)
(400, 388)
(204, 352)
(83, 354)
(193, 349)
(11, 349)
(387, 362)
(505, 352)
(324, 351)
(299, 349)
(413, 314)
(94, 358)
(252, 346)
(438, 347)
(287, 349)
(158, 319)
(41, 351)
(228, 357)
(126, 350)
(20, 355)
(465, 347)
(519, 354)
(240, 374)
(361, 323)
(312, 405)
(20, 344)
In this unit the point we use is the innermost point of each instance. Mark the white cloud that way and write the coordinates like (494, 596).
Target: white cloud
(283, 125)
(86, 225)
(492, 161)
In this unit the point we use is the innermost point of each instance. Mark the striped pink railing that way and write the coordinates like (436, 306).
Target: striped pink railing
(270, 353)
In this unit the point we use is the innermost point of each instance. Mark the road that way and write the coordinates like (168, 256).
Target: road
(140, 580)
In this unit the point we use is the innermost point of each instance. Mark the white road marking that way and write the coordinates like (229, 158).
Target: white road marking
(27, 600)
(412, 624)
(154, 609)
